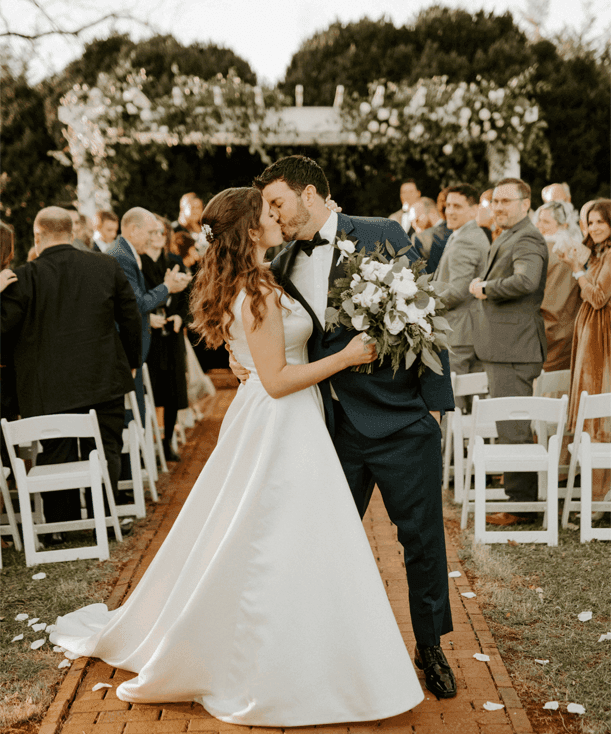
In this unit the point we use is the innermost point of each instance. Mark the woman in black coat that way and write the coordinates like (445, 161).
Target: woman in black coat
(166, 360)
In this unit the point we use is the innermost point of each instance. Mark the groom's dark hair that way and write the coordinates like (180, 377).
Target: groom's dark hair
(297, 172)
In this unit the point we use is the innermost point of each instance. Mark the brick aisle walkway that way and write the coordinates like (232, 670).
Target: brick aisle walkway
(79, 710)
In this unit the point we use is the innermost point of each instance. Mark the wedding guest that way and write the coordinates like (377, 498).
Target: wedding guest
(7, 250)
(463, 259)
(8, 387)
(440, 237)
(182, 249)
(409, 195)
(191, 208)
(562, 294)
(78, 229)
(561, 192)
(106, 226)
(137, 227)
(83, 314)
(509, 336)
(590, 367)
(485, 219)
(166, 360)
(427, 223)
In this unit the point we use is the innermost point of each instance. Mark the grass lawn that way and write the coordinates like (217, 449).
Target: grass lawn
(30, 677)
(531, 596)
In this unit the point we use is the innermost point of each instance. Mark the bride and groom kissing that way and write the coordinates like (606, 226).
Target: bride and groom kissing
(265, 604)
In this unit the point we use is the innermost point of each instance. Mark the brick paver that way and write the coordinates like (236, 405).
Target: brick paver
(79, 710)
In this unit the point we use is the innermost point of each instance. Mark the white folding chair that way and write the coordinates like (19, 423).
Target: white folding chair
(91, 472)
(500, 458)
(152, 432)
(549, 385)
(8, 522)
(588, 455)
(475, 383)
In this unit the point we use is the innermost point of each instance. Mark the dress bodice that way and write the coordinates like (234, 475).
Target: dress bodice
(297, 329)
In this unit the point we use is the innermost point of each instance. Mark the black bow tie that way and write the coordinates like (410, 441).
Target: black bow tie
(307, 246)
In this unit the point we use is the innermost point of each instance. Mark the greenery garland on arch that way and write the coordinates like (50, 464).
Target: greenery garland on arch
(449, 126)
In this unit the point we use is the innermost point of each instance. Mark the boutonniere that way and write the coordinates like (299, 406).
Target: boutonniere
(346, 245)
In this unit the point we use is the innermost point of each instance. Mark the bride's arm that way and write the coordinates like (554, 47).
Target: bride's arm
(267, 345)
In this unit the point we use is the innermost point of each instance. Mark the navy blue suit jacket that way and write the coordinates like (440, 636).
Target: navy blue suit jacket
(378, 404)
(147, 300)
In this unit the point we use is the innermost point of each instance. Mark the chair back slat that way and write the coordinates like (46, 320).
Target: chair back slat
(551, 410)
(474, 383)
(41, 427)
(552, 382)
(595, 406)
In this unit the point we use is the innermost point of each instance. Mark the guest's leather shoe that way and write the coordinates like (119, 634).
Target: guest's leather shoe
(170, 454)
(505, 518)
(439, 677)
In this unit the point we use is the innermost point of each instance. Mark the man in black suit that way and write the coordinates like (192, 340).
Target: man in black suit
(385, 427)
(75, 327)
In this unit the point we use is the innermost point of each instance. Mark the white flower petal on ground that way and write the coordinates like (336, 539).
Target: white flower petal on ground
(21, 618)
(58, 648)
(607, 636)
(39, 576)
(585, 616)
(39, 627)
(454, 574)
(33, 621)
(98, 686)
(552, 705)
(17, 638)
(481, 657)
(541, 662)
(576, 708)
(65, 664)
(468, 594)
(38, 643)
(490, 706)
(50, 628)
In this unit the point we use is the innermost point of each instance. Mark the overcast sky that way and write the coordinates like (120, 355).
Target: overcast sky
(264, 32)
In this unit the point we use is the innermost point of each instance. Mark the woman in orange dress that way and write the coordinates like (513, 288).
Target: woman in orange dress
(590, 367)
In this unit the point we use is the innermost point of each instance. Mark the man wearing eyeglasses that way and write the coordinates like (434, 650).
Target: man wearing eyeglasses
(509, 336)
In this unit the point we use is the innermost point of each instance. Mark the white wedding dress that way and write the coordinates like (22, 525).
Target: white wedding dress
(264, 604)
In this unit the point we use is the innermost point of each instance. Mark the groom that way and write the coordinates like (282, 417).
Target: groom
(386, 430)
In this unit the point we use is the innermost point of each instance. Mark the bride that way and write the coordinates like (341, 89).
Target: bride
(264, 603)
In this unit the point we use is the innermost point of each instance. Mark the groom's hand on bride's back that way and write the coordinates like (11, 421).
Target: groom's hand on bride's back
(239, 371)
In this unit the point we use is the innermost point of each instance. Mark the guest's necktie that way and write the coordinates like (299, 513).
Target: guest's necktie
(307, 246)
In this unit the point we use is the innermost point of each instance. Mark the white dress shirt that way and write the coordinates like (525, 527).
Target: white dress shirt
(310, 273)
(136, 255)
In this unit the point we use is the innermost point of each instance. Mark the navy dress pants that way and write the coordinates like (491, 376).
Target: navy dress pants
(407, 467)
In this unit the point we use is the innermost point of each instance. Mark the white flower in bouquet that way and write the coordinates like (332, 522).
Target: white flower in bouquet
(371, 295)
(412, 313)
(403, 285)
(394, 324)
(360, 321)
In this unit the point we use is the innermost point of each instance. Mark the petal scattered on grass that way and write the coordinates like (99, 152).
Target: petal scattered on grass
(468, 594)
(39, 627)
(454, 574)
(58, 648)
(39, 576)
(38, 643)
(551, 705)
(65, 664)
(50, 628)
(126, 521)
(605, 637)
(541, 662)
(98, 686)
(585, 616)
(481, 657)
(33, 621)
(21, 618)
(17, 638)
(576, 708)
(489, 706)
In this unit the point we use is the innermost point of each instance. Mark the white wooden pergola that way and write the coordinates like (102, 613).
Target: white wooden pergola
(287, 126)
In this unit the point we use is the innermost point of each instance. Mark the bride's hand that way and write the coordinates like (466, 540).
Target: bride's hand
(358, 352)
(331, 204)
(239, 371)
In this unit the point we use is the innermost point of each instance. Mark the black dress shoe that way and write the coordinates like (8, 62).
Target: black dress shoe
(170, 454)
(439, 677)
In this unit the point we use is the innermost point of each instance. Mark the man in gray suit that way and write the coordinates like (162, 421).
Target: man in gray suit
(463, 259)
(509, 336)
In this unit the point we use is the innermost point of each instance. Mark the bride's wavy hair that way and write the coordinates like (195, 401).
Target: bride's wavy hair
(228, 265)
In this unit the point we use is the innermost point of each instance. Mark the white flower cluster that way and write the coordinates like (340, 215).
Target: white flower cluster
(391, 288)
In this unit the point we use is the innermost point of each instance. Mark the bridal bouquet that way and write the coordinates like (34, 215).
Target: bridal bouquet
(385, 296)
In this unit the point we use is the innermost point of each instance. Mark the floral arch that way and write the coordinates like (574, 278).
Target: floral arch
(433, 121)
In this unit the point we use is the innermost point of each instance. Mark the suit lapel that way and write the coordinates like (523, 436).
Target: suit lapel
(281, 268)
